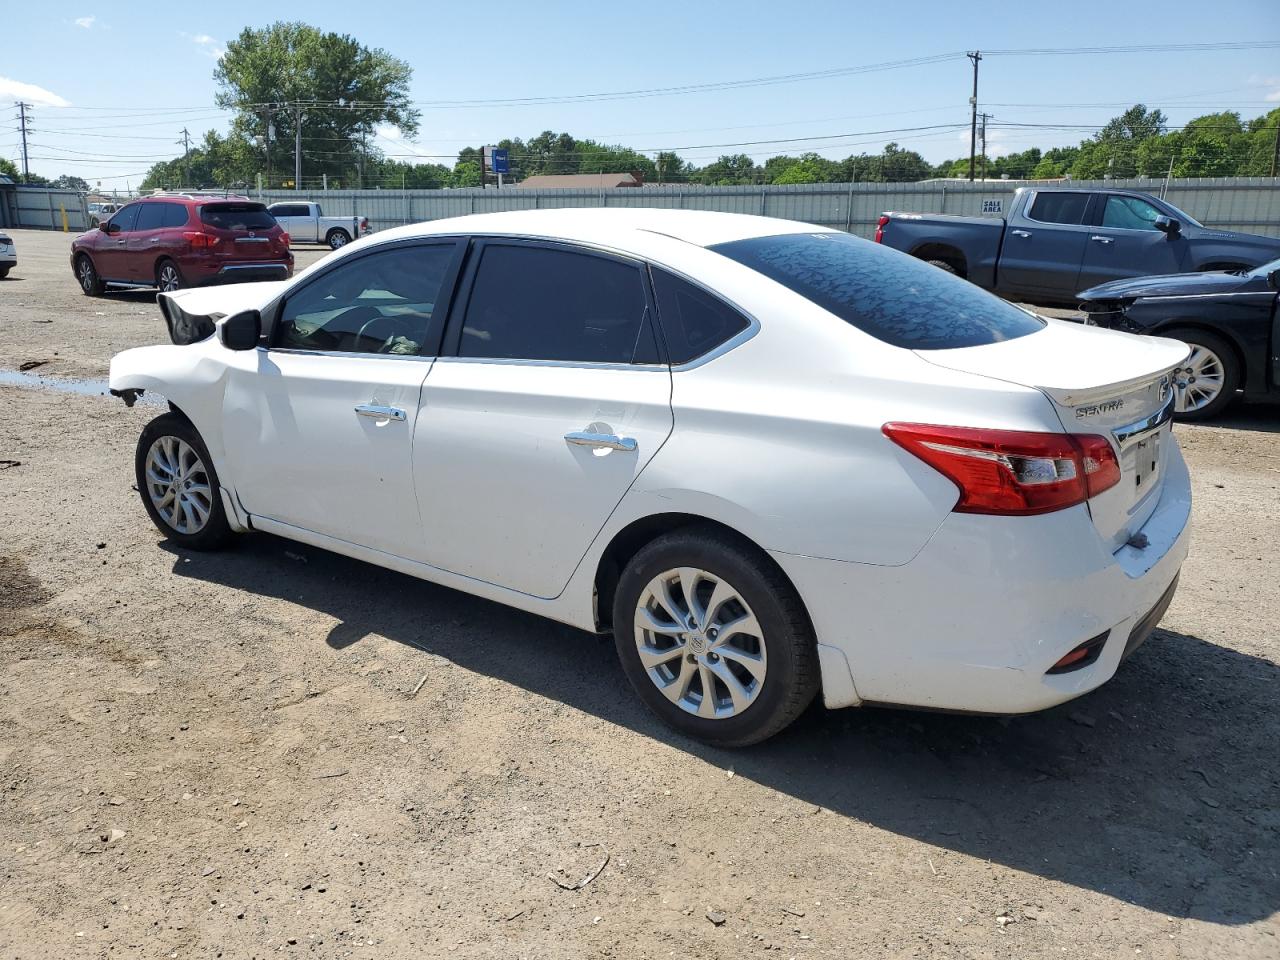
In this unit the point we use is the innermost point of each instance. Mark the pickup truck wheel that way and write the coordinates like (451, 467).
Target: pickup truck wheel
(1207, 382)
(337, 237)
(168, 277)
(178, 484)
(4, 272)
(942, 265)
(90, 283)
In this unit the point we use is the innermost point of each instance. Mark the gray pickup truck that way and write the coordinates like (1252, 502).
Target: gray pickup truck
(1055, 242)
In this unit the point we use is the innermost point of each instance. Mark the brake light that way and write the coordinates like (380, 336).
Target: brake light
(199, 240)
(284, 238)
(880, 225)
(364, 224)
(1012, 472)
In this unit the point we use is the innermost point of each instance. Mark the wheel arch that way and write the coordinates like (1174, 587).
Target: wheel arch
(946, 252)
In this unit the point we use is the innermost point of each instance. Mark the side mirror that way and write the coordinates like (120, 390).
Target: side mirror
(240, 331)
(107, 227)
(1168, 225)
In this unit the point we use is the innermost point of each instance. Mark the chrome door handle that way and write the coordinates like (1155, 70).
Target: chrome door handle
(379, 412)
(606, 441)
(1101, 239)
(1020, 233)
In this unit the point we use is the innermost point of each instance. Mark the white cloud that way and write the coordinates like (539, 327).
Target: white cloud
(1273, 97)
(37, 96)
(209, 45)
(85, 22)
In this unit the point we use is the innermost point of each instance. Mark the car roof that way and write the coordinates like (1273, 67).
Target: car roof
(610, 227)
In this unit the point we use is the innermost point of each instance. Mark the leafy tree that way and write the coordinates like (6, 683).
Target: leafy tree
(1113, 151)
(68, 182)
(730, 171)
(9, 169)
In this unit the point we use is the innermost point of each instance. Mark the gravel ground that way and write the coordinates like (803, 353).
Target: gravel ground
(274, 750)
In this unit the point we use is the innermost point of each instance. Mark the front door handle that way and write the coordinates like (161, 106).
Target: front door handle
(1099, 239)
(1020, 233)
(379, 412)
(605, 441)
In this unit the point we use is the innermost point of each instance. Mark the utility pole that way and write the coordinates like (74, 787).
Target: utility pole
(982, 133)
(973, 104)
(186, 158)
(297, 146)
(22, 123)
(1275, 157)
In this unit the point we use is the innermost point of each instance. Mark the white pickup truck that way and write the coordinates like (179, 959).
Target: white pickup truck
(305, 222)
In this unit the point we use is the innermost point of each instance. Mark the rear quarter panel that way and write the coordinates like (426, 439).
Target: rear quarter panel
(977, 239)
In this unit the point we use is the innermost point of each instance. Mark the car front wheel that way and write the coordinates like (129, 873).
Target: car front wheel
(713, 637)
(87, 276)
(1206, 383)
(179, 485)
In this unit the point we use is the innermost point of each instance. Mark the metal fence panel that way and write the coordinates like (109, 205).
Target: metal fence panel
(43, 208)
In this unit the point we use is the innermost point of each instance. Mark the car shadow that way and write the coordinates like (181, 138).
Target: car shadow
(1159, 789)
(1257, 416)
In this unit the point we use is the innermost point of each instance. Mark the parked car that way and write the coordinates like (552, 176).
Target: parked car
(1056, 242)
(8, 255)
(1231, 321)
(307, 223)
(773, 459)
(182, 240)
(101, 211)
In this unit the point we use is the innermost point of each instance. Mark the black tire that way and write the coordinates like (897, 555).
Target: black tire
(943, 265)
(168, 276)
(791, 680)
(215, 531)
(4, 272)
(1230, 362)
(91, 284)
(337, 238)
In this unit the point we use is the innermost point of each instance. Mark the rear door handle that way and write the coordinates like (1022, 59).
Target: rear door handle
(379, 412)
(1020, 233)
(605, 441)
(1099, 239)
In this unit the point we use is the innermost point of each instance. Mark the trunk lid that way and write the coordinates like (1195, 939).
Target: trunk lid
(1100, 382)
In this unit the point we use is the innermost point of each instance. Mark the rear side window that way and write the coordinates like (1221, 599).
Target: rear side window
(536, 303)
(151, 216)
(175, 215)
(237, 216)
(888, 294)
(1059, 207)
(693, 321)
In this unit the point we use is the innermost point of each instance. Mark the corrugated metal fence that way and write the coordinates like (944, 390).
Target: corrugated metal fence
(43, 208)
(1249, 204)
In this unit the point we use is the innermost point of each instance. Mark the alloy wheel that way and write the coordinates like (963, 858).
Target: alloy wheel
(87, 276)
(1199, 381)
(169, 278)
(178, 484)
(337, 240)
(700, 643)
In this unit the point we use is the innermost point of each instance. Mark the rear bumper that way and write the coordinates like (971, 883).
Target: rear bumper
(250, 272)
(990, 604)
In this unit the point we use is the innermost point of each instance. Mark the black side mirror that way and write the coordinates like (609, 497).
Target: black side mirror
(107, 227)
(1168, 225)
(240, 331)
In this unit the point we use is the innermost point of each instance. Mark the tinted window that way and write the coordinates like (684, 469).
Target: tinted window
(151, 216)
(693, 321)
(1130, 213)
(289, 210)
(1059, 207)
(175, 215)
(237, 216)
(892, 296)
(380, 303)
(126, 217)
(535, 303)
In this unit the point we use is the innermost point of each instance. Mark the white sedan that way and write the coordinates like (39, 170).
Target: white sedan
(771, 458)
(8, 255)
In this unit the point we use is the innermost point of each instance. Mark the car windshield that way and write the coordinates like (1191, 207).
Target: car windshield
(890, 295)
(237, 216)
(1182, 215)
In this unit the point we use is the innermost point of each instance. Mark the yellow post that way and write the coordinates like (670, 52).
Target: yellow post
(65, 227)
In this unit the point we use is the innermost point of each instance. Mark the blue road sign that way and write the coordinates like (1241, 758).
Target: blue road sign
(501, 162)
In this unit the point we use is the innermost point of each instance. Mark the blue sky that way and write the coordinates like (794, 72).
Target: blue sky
(115, 83)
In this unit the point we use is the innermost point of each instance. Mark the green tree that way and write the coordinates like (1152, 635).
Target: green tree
(9, 169)
(1113, 151)
(732, 170)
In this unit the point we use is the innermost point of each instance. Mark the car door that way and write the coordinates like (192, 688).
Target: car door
(144, 244)
(294, 219)
(319, 425)
(1126, 243)
(1043, 246)
(110, 254)
(546, 404)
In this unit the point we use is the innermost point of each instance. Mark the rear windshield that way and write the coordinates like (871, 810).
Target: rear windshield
(888, 294)
(237, 216)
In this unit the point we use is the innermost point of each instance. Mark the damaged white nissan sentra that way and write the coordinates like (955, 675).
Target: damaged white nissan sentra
(773, 459)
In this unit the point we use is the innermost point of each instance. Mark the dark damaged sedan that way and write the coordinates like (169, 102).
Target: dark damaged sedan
(1229, 318)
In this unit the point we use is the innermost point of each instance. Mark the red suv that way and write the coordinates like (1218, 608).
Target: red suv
(182, 240)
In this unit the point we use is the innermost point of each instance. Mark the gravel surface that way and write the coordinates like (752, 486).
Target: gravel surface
(274, 750)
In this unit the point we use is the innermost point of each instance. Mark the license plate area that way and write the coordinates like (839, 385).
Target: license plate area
(1143, 461)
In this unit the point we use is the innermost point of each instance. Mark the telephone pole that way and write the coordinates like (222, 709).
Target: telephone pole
(297, 146)
(186, 158)
(975, 56)
(982, 134)
(22, 124)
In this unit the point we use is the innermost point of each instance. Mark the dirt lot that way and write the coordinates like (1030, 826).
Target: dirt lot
(276, 751)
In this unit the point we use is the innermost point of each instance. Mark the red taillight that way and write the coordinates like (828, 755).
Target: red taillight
(1012, 472)
(880, 225)
(364, 224)
(284, 239)
(199, 240)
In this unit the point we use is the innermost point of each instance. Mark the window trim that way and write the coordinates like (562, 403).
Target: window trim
(739, 338)
(1086, 218)
(434, 338)
(466, 287)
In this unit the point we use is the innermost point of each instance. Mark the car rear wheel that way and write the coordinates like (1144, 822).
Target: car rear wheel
(178, 484)
(1206, 383)
(4, 272)
(942, 265)
(713, 638)
(168, 276)
(337, 238)
(87, 275)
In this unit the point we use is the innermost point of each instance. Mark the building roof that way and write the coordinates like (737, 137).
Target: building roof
(579, 180)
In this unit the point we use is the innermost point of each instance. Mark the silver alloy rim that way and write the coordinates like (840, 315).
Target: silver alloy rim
(178, 485)
(338, 240)
(168, 278)
(700, 643)
(1198, 383)
(86, 274)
